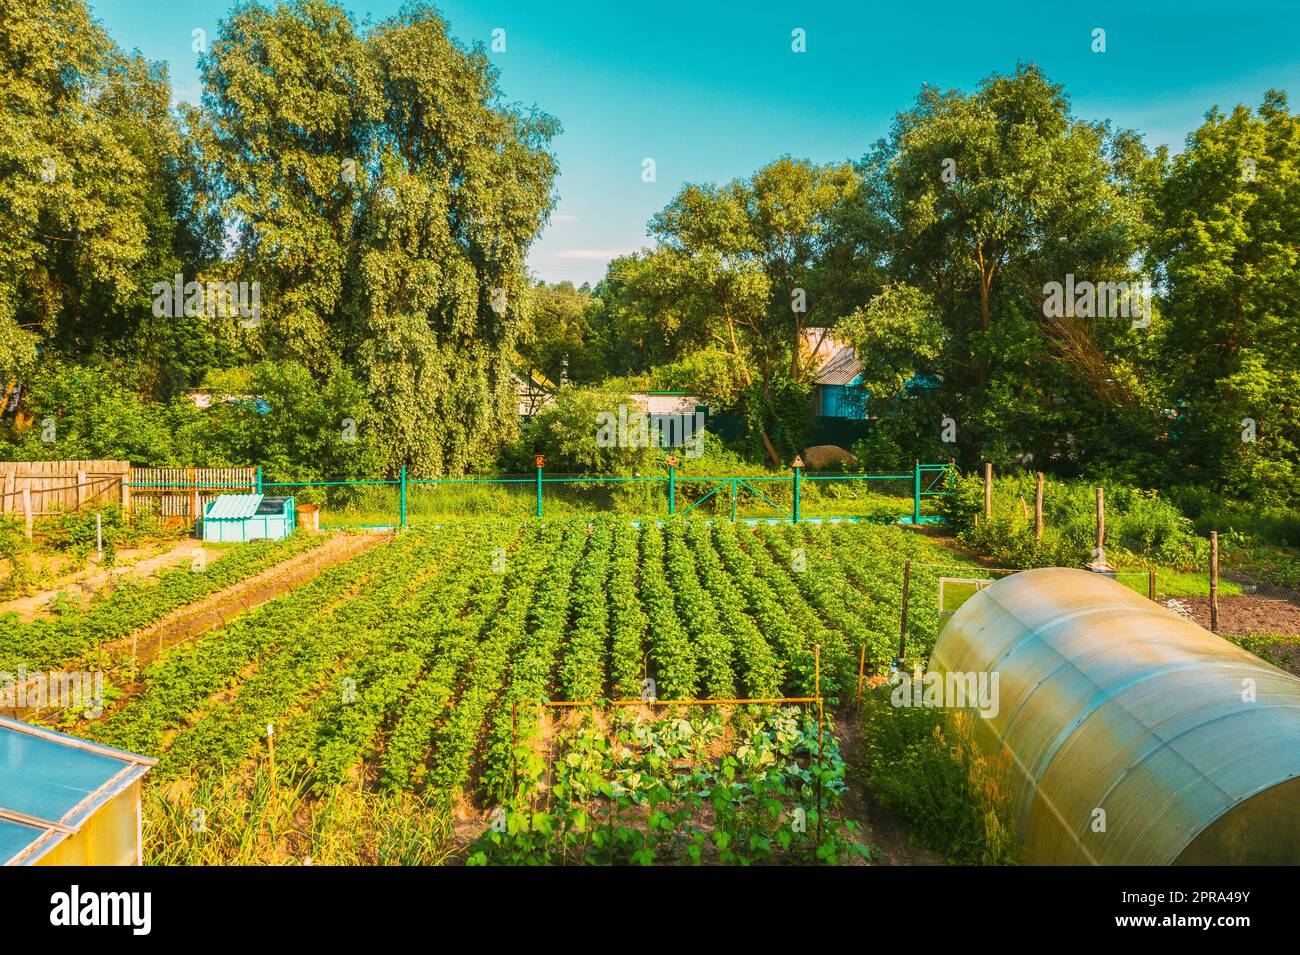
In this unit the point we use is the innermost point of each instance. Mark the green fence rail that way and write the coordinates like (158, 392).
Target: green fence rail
(905, 497)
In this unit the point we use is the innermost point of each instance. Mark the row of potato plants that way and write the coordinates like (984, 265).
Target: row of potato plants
(229, 732)
(177, 684)
(435, 632)
(74, 629)
(698, 608)
(627, 617)
(761, 670)
(676, 673)
(582, 669)
(407, 750)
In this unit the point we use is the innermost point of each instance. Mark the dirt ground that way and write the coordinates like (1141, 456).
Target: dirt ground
(1246, 615)
(82, 584)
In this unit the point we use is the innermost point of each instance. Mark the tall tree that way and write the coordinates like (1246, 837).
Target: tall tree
(1229, 212)
(385, 198)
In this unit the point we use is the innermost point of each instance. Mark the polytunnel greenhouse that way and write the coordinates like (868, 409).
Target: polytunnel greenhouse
(1136, 737)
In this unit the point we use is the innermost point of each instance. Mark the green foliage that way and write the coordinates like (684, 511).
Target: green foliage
(1142, 527)
(924, 764)
(620, 797)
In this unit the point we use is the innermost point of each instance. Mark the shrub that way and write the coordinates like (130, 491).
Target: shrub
(924, 765)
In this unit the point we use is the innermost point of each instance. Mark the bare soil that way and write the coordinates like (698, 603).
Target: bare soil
(1246, 615)
(81, 584)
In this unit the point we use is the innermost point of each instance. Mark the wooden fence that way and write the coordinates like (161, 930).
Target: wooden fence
(184, 492)
(40, 488)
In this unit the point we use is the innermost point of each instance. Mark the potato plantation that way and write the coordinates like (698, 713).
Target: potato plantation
(403, 686)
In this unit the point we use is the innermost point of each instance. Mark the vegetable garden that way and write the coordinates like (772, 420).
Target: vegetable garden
(402, 688)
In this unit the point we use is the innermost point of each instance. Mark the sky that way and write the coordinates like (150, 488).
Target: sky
(712, 91)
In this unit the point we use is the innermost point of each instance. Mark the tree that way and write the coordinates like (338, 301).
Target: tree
(737, 270)
(385, 199)
(92, 173)
(988, 197)
(1228, 213)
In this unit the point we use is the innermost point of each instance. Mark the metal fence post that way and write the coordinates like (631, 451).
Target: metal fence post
(798, 466)
(259, 479)
(540, 462)
(916, 491)
(733, 500)
(403, 496)
(672, 487)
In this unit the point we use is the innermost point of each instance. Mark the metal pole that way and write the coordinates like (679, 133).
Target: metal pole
(916, 491)
(672, 490)
(403, 493)
(259, 479)
(1214, 581)
(797, 470)
(539, 490)
(733, 500)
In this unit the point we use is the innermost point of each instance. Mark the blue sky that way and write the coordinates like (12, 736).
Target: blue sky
(712, 91)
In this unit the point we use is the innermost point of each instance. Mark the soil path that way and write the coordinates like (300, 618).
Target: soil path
(85, 583)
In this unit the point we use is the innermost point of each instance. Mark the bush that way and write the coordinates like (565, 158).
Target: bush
(1142, 527)
(924, 766)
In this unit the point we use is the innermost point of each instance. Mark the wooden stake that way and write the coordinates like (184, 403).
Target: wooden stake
(862, 659)
(1101, 526)
(988, 491)
(1151, 584)
(902, 625)
(1214, 581)
(1038, 508)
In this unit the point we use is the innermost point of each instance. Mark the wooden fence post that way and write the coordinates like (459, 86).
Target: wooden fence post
(27, 509)
(988, 491)
(81, 489)
(1038, 508)
(1101, 525)
(1214, 581)
(126, 492)
(902, 626)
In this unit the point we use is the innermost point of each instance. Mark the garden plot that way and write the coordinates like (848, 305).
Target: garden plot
(408, 675)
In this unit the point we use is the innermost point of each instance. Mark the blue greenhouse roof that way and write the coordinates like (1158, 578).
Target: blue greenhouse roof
(50, 784)
(228, 507)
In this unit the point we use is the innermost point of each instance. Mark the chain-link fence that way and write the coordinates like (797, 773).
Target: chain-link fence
(888, 497)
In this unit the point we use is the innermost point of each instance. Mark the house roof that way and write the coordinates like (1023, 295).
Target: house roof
(842, 368)
(51, 784)
(227, 507)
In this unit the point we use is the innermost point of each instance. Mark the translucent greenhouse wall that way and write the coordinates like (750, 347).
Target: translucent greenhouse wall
(110, 837)
(1136, 737)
